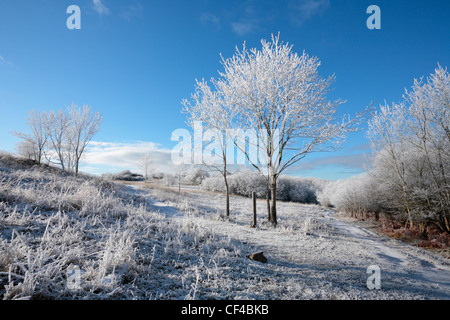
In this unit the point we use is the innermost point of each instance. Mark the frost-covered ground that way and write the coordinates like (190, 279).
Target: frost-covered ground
(313, 254)
(140, 242)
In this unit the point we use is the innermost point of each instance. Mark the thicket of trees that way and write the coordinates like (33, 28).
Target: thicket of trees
(59, 137)
(409, 179)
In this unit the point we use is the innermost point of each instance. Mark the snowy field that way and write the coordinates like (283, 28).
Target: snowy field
(141, 242)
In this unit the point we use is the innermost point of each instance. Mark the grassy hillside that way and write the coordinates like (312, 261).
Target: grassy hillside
(52, 222)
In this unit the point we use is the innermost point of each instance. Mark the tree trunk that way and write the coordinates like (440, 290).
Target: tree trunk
(76, 168)
(268, 203)
(273, 209)
(254, 209)
(227, 195)
(423, 229)
(63, 167)
(227, 188)
(446, 223)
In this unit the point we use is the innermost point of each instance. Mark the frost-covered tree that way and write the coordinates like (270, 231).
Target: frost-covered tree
(37, 139)
(60, 137)
(58, 126)
(210, 110)
(387, 131)
(429, 109)
(278, 96)
(85, 125)
(26, 148)
(146, 165)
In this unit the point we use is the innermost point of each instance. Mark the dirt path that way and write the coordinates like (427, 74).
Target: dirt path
(420, 265)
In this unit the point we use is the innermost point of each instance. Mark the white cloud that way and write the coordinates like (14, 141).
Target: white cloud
(302, 10)
(4, 61)
(243, 28)
(354, 161)
(102, 157)
(113, 157)
(100, 7)
(207, 18)
(133, 11)
(248, 18)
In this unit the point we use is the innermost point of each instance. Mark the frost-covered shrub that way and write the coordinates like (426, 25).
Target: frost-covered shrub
(243, 183)
(125, 175)
(195, 176)
(169, 180)
(355, 195)
(299, 189)
(333, 193)
(214, 183)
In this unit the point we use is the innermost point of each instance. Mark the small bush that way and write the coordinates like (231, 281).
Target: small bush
(295, 189)
(125, 175)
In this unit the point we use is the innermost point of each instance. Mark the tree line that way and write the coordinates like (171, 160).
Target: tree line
(408, 179)
(59, 137)
(412, 141)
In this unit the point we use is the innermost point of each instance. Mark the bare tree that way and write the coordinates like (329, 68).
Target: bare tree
(146, 165)
(85, 125)
(208, 108)
(37, 139)
(58, 128)
(26, 148)
(61, 137)
(179, 170)
(279, 97)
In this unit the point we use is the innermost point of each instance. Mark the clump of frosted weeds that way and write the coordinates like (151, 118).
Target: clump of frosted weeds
(118, 253)
(307, 226)
(189, 209)
(313, 226)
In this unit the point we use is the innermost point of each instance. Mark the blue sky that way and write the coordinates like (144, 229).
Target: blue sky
(134, 61)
